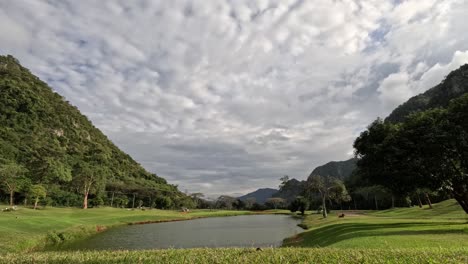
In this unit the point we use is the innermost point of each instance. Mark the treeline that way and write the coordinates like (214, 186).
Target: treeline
(226, 202)
(417, 156)
(427, 151)
(51, 154)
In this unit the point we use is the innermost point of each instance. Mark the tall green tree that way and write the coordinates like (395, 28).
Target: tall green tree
(37, 192)
(300, 204)
(328, 188)
(275, 202)
(12, 177)
(88, 178)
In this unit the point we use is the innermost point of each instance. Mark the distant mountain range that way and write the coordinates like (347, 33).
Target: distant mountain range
(260, 195)
(293, 188)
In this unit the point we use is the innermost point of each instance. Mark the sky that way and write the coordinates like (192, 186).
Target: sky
(227, 96)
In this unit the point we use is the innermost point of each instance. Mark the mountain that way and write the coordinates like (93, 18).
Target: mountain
(291, 190)
(337, 169)
(453, 86)
(260, 195)
(61, 149)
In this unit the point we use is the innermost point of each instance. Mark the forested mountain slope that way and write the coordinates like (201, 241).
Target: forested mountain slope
(260, 195)
(51, 143)
(336, 169)
(454, 85)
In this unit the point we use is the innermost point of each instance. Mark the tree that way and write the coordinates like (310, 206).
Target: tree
(373, 193)
(299, 204)
(327, 188)
(428, 150)
(37, 192)
(284, 180)
(226, 202)
(164, 202)
(275, 202)
(249, 202)
(197, 198)
(88, 178)
(12, 177)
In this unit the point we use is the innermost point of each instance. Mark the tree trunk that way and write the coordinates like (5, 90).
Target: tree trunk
(419, 202)
(324, 207)
(376, 203)
(393, 201)
(428, 200)
(85, 200)
(35, 203)
(112, 200)
(12, 193)
(463, 201)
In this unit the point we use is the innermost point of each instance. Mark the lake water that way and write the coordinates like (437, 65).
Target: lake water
(233, 231)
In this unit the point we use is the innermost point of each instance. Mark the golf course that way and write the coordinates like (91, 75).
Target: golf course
(400, 235)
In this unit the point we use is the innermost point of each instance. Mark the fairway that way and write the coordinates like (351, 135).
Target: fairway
(445, 226)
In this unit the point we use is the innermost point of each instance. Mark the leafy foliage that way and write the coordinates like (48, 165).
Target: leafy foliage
(300, 204)
(37, 192)
(428, 150)
(328, 188)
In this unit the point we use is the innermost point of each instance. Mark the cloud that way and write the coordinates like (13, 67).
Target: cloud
(394, 89)
(228, 96)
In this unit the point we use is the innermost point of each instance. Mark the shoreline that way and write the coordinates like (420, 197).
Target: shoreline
(54, 240)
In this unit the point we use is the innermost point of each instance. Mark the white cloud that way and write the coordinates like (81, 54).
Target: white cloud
(394, 89)
(271, 87)
(438, 72)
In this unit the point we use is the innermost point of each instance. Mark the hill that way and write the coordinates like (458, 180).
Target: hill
(337, 169)
(454, 85)
(291, 189)
(260, 195)
(47, 141)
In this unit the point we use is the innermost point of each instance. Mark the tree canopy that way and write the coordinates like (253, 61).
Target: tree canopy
(428, 150)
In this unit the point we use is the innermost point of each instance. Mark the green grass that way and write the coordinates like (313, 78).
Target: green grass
(402, 235)
(246, 255)
(445, 226)
(26, 228)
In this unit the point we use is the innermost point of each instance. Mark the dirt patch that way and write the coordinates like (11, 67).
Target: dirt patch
(350, 213)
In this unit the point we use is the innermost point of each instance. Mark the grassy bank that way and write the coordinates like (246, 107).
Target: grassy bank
(238, 255)
(404, 235)
(445, 226)
(26, 229)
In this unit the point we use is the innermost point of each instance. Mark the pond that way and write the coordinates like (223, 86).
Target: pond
(233, 231)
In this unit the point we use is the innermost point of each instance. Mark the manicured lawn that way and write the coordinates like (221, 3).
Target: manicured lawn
(445, 226)
(402, 235)
(246, 255)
